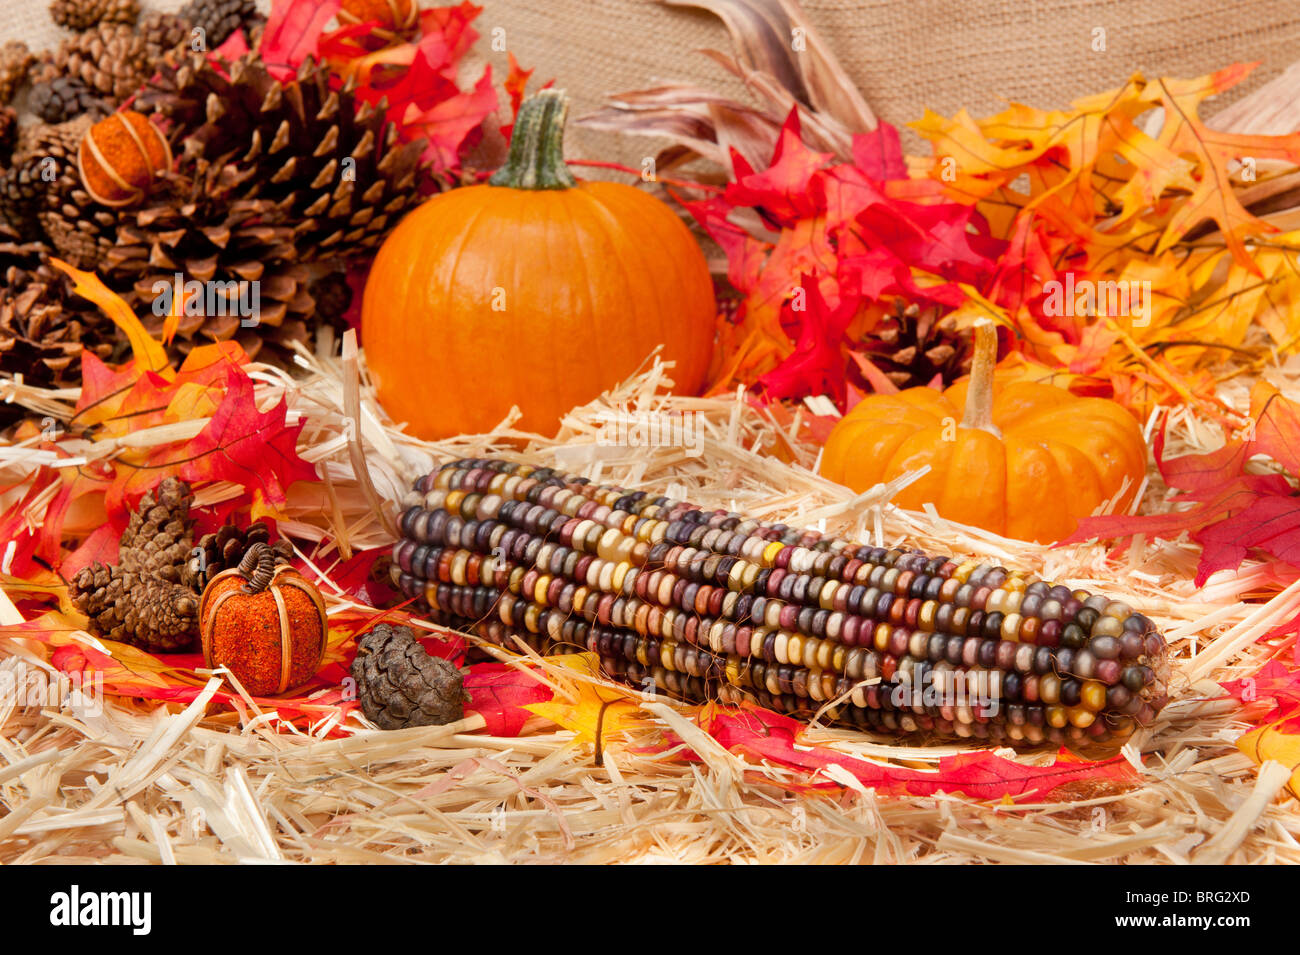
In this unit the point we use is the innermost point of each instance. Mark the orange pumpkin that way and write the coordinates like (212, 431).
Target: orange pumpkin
(1024, 460)
(532, 290)
(264, 622)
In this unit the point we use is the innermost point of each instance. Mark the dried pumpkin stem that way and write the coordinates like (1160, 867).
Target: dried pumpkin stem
(258, 568)
(536, 159)
(979, 393)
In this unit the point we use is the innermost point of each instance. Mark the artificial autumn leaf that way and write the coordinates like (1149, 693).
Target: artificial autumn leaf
(817, 365)
(147, 353)
(128, 671)
(1278, 741)
(515, 85)
(16, 534)
(501, 694)
(452, 125)
(1207, 179)
(1237, 507)
(859, 239)
(416, 82)
(1273, 686)
(600, 710)
(255, 449)
(753, 731)
(100, 546)
(292, 33)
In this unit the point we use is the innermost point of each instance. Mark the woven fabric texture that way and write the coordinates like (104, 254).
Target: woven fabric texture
(905, 55)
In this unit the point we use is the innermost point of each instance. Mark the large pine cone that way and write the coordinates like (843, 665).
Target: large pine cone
(400, 684)
(159, 536)
(153, 614)
(333, 168)
(224, 549)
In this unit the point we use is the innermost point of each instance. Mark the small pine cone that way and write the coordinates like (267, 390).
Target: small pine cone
(400, 684)
(218, 18)
(115, 59)
(159, 536)
(224, 549)
(64, 97)
(15, 61)
(44, 159)
(155, 615)
(83, 14)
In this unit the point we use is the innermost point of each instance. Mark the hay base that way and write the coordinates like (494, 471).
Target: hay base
(145, 784)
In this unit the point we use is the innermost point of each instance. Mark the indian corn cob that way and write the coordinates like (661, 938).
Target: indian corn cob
(710, 604)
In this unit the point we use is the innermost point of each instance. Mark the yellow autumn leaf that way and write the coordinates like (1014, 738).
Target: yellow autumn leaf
(147, 351)
(600, 711)
(1269, 742)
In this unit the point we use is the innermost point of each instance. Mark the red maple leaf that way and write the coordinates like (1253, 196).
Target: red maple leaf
(499, 692)
(861, 231)
(257, 450)
(1237, 508)
(771, 736)
(293, 32)
(817, 365)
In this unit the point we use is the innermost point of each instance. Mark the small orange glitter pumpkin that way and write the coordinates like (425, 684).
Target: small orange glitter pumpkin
(263, 622)
(119, 157)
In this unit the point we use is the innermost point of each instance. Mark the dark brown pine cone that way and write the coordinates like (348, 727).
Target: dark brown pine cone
(44, 158)
(333, 297)
(155, 615)
(158, 539)
(218, 18)
(64, 97)
(224, 549)
(400, 684)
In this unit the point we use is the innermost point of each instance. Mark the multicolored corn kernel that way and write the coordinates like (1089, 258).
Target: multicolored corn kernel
(789, 616)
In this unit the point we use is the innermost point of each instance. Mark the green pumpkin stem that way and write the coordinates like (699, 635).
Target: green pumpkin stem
(536, 159)
(979, 393)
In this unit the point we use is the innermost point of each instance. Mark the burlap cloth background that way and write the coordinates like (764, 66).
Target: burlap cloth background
(904, 54)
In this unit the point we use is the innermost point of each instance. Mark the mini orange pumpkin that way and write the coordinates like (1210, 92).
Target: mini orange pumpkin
(263, 622)
(119, 157)
(533, 290)
(1024, 460)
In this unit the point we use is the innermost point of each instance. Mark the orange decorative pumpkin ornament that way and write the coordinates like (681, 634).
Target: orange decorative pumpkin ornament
(263, 622)
(119, 157)
(531, 290)
(1023, 459)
